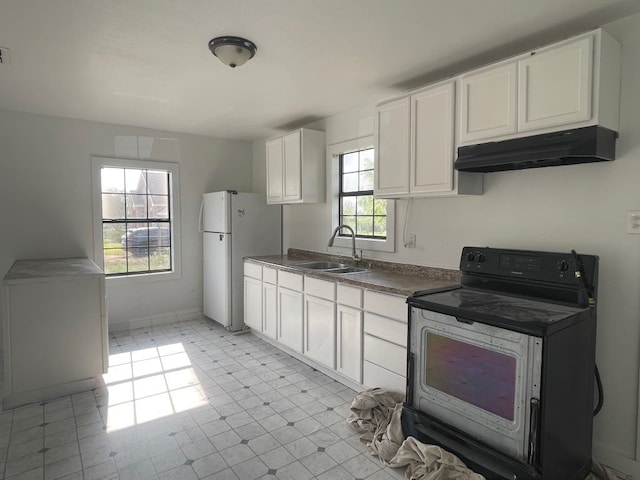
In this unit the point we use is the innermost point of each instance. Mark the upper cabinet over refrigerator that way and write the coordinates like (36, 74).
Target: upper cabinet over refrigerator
(296, 167)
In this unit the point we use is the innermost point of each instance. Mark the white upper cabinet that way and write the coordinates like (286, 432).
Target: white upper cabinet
(432, 140)
(488, 102)
(571, 84)
(393, 139)
(296, 167)
(275, 171)
(415, 146)
(556, 86)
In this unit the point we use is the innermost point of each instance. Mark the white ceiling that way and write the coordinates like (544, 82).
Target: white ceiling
(146, 62)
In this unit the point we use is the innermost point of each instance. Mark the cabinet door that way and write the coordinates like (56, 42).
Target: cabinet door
(432, 140)
(269, 310)
(289, 330)
(488, 103)
(392, 148)
(275, 171)
(253, 303)
(292, 166)
(349, 342)
(320, 330)
(555, 86)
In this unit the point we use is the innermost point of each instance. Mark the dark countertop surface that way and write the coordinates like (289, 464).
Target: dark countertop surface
(387, 277)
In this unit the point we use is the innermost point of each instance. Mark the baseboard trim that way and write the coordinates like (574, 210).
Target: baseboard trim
(304, 359)
(156, 320)
(616, 460)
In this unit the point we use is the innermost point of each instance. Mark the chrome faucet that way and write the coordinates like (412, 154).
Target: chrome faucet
(354, 255)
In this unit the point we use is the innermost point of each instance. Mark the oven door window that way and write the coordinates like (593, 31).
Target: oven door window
(476, 375)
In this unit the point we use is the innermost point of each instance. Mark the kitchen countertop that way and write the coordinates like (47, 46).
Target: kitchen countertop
(388, 277)
(26, 271)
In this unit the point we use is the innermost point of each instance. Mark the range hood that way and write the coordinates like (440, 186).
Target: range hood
(568, 147)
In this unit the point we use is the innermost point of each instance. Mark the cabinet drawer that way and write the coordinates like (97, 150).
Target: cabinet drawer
(375, 376)
(270, 275)
(350, 296)
(385, 354)
(253, 270)
(385, 328)
(392, 306)
(290, 280)
(320, 288)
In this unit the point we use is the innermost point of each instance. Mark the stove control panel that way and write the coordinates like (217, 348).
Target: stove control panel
(530, 265)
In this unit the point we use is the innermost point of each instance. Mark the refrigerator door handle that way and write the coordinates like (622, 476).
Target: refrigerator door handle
(200, 216)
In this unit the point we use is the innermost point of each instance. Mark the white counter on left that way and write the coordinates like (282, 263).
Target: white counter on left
(54, 329)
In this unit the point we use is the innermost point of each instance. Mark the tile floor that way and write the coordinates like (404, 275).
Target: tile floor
(192, 401)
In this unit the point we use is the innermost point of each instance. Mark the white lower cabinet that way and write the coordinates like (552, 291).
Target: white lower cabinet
(290, 314)
(269, 309)
(360, 334)
(385, 341)
(253, 303)
(349, 342)
(320, 330)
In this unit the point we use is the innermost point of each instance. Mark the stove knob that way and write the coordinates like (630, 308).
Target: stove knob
(470, 257)
(481, 258)
(563, 266)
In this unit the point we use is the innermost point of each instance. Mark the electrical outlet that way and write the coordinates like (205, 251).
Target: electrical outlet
(633, 221)
(4, 56)
(411, 240)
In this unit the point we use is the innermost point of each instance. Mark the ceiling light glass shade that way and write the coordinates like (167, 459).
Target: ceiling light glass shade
(232, 51)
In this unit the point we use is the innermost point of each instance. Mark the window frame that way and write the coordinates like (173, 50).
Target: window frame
(356, 193)
(174, 214)
(375, 244)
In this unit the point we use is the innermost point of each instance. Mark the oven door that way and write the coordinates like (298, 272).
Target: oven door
(480, 379)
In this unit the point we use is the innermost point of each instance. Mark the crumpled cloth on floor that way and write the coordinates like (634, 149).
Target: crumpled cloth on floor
(376, 414)
(430, 462)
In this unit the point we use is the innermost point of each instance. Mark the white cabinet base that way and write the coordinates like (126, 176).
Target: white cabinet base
(54, 329)
(48, 393)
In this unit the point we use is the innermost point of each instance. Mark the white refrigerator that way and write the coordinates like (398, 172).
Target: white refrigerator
(234, 225)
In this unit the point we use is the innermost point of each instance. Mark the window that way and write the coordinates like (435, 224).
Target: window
(352, 179)
(358, 209)
(135, 224)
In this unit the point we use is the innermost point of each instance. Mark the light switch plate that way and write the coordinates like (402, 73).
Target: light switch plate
(633, 221)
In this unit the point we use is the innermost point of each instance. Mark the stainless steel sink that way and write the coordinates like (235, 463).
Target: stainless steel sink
(320, 265)
(341, 271)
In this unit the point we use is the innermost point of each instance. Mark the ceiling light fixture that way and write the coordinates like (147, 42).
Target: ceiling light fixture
(232, 51)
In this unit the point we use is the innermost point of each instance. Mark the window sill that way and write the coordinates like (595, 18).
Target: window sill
(363, 244)
(144, 278)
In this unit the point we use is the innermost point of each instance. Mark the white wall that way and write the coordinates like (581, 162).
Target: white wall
(582, 207)
(46, 199)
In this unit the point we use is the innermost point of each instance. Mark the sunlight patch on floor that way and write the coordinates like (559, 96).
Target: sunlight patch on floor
(148, 384)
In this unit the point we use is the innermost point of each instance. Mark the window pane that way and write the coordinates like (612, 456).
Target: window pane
(134, 181)
(350, 182)
(161, 259)
(113, 206)
(365, 226)
(113, 235)
(365, 205)
(112, 179)
(138, 260)
(136, 206)
(350, 162)
(159, 206)
(158, 182)
(348, 220)
(115, 259)
(379, 206)
(380, 226)
(366, 159)
(366, 180)
(348, 206)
